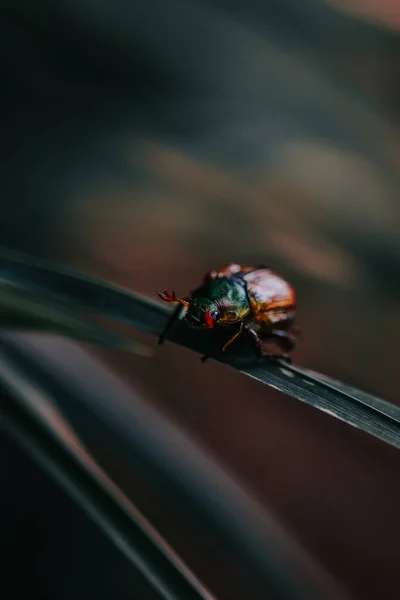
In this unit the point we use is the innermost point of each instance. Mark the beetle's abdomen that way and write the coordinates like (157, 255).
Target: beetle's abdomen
(267, 289)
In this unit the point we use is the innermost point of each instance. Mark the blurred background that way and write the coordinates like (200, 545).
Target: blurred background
(147, 142)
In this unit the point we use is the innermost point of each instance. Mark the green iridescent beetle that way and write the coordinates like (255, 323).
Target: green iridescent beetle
(250, 300)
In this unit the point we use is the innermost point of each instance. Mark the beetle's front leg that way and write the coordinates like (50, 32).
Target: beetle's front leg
(228, 343)
(170, 323)
(233, 338)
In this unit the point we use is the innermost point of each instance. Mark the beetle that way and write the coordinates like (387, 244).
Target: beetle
(247, 299)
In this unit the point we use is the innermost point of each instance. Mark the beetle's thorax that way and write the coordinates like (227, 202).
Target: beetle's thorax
(224, 299)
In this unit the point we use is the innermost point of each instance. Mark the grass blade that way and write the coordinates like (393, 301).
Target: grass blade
(356, 408)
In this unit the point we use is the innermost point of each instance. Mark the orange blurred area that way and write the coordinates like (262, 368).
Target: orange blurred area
(385, 13)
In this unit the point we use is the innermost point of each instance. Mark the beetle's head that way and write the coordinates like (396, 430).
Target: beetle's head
(202, 312)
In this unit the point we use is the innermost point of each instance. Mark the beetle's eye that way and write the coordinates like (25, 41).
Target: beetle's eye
(215, 315)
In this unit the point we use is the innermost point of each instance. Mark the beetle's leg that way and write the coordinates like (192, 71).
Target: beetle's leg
(285, 340)
(233, 338)
(227, 344)
(170, 323)
(256, 341)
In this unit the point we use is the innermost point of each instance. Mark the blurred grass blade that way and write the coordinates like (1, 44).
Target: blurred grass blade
(60, 454)
(356, 408)
(24, 310)
(80, 291)
(102, 422)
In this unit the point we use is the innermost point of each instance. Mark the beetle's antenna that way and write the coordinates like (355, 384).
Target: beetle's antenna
(172, 298)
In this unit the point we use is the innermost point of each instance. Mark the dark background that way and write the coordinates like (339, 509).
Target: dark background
(147, 142)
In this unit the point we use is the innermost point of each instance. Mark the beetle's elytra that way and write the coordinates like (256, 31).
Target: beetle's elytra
(250, 300)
